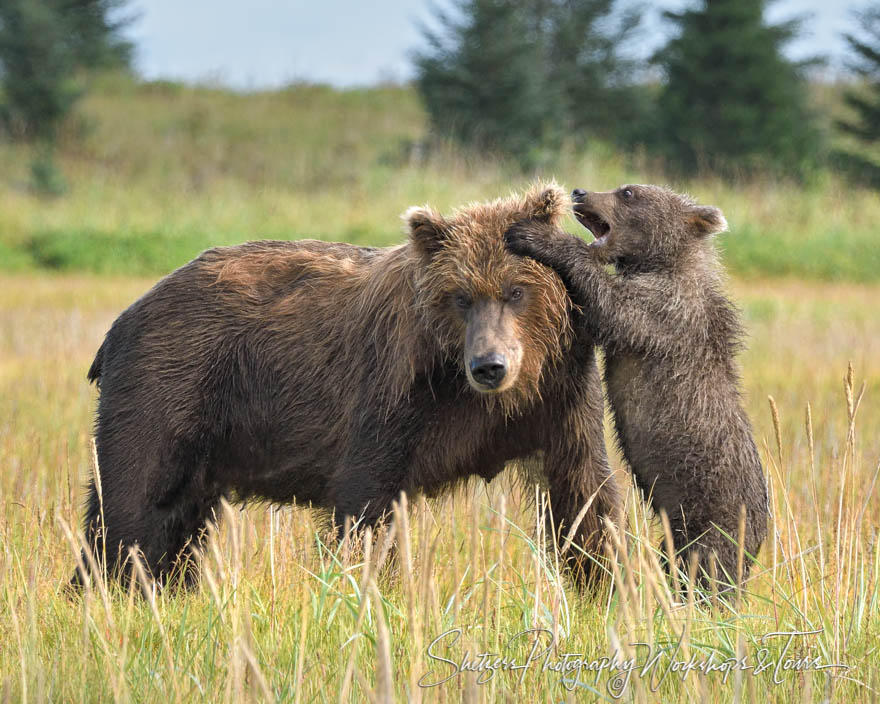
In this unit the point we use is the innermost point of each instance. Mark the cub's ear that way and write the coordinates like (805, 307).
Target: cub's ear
(427, 229)
(705, 220)
(547, 202)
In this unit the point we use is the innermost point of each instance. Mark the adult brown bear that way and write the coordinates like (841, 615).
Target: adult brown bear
(340, 376)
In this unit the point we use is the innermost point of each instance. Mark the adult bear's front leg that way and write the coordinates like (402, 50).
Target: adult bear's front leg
(376, 466)
(577, 479)
(577, 470)
(365, 494)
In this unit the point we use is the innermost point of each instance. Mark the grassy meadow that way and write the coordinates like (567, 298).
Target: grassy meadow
(157, 173)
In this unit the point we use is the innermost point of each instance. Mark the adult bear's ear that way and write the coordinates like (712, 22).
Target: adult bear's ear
(547, 202)
(427, 230)
(705, 220)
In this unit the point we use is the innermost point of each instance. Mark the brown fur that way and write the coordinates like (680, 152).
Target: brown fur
(340, 376)
(670, 337)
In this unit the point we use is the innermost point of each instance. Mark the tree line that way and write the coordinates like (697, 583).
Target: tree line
(520, 77)
(523, 78)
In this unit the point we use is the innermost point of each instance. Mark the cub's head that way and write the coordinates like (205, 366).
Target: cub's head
(503, 317)
(639, 223)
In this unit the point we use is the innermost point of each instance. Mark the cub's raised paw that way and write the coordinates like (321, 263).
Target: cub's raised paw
(522, 241)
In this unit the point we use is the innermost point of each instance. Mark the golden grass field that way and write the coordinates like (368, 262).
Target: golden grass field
(156, 172)
(283, 614)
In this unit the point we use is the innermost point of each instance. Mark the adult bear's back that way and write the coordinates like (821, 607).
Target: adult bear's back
(221, 351)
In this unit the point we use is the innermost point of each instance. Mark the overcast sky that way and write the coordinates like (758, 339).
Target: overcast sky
(266, 43)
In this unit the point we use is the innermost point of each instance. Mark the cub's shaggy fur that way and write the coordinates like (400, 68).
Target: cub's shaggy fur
(340, 376)
(670, 336)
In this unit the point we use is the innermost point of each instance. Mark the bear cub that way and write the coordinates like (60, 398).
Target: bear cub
(670, 336)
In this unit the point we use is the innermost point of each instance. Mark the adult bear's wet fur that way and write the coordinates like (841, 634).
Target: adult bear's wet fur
(340, 376)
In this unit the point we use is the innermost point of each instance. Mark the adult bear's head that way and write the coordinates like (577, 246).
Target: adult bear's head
(504, 318)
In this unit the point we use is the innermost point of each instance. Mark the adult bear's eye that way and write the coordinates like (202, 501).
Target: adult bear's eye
(516, 293)
(462, 302)
(627, 193)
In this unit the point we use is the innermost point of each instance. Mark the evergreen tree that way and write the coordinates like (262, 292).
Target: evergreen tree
(517, 76)
(481, 81)
(44, 44)
(731, 100)
(95, 32)
(602, 93)
(865, 102)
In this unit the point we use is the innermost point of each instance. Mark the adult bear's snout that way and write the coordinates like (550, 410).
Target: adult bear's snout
(489, 371)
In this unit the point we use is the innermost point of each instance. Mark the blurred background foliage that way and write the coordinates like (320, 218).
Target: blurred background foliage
(523, 76)
(108, 173)
(47, 48)
(864, 99)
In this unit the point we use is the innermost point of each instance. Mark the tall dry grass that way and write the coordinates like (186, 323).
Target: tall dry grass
(283, 613)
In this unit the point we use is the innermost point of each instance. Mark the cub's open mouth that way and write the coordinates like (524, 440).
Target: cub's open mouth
(594, 222)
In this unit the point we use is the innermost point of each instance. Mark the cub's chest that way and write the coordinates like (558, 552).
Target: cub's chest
(632, 391)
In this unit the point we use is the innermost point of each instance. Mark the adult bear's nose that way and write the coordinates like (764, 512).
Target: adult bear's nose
(578, 193)
(489, 370)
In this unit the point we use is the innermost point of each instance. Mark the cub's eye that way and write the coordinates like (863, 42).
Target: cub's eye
(462, 302)
(627, 193)
(516, 293)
